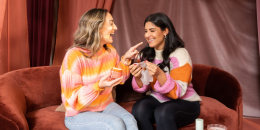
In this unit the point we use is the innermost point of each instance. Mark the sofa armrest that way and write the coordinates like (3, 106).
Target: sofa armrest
(225, 88)
(12, 104)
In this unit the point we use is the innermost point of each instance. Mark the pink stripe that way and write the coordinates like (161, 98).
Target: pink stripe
(174, 62)
(166, 87)
(189, 92)
(178, 91)
(156, 61)
(71, 112)
(137, 88)
(160, 96)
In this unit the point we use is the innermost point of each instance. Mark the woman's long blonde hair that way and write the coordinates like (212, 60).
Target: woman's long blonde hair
(87, 34)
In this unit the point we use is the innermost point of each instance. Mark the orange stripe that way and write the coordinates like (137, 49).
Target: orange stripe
(172, 94)
(182, 73)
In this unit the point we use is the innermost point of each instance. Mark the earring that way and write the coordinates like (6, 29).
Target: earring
(164, 36)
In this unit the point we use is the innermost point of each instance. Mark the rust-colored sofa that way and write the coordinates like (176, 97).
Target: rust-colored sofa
(29, 97)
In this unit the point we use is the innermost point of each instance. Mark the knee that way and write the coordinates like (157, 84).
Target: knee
(138, 110)
(116, 124)
(129, 117)
(163, 114)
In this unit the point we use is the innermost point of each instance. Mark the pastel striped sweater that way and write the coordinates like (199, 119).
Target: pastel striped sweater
(80, 75)
(178, 83)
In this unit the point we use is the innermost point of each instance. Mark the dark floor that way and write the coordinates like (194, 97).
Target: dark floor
(251, 123)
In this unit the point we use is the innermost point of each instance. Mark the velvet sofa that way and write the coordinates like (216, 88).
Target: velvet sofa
(29, 97)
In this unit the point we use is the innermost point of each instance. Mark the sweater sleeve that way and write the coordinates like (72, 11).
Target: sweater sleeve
(119, 64)
(77, 96)
(179, 76)
(142, 89)
(125, 69)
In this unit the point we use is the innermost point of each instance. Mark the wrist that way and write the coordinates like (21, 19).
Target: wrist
(125, 61)
(159, 73)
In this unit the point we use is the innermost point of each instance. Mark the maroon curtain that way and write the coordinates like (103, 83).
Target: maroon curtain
(221, 33)
(258, 25)
(70, 12)
(41, 28)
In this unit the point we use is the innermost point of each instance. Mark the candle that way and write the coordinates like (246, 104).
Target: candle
(199, 124)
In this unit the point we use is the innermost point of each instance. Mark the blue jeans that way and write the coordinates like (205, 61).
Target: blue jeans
(114, 117)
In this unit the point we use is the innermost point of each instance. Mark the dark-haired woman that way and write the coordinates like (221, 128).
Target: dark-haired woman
(171, 101)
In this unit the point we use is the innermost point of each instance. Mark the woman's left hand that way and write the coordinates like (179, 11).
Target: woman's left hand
(153, 69)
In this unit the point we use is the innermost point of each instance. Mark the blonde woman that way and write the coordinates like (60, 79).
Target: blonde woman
(85, 74)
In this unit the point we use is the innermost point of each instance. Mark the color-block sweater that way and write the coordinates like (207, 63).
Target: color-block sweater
(80, 75)
(178, 84)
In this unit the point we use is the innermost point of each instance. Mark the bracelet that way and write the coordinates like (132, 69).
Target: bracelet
(126, 62)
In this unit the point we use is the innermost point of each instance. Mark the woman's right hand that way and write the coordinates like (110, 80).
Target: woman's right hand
(135, 70)
(132, 52)
(107, 82)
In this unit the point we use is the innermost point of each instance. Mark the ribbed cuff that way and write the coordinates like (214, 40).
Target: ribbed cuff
(137, 88)
(166, 87)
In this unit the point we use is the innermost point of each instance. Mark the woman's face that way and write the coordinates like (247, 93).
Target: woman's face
(154, 35)
(107, 30)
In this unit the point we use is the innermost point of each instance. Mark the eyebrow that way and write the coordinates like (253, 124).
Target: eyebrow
(150, 28)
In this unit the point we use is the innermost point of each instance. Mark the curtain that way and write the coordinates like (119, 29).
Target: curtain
(216, 32)
(14, 48)
(69, 14)
(258, 25)
(41, 26)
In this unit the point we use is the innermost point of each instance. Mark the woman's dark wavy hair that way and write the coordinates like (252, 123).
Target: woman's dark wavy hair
(172, 40)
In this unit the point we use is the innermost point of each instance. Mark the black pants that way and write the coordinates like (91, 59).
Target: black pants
(169, 115)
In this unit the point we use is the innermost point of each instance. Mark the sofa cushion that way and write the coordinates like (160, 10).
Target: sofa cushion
(46, 119)
(214, 112)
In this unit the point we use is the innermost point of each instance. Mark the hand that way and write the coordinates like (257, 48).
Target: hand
(132, 52)
(153, 69)
(135, 70)
(107, 82)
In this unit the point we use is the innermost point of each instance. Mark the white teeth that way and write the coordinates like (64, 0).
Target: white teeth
(150, 40)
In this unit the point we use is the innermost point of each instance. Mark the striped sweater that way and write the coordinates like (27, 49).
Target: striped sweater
(178, 84)
(80, 75)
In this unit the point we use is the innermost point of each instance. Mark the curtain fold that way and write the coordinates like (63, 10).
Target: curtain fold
(216, 32)
(258, 25)
(41, 24)
(68, 16)
(14, 48)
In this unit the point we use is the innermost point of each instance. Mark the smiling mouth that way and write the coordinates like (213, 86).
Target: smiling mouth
(150, 41)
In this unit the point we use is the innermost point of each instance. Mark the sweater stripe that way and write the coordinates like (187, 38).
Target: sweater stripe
(80, 75)
(178, 84)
